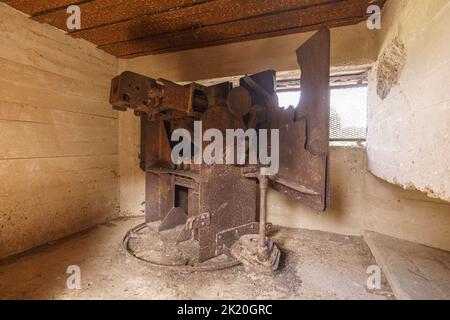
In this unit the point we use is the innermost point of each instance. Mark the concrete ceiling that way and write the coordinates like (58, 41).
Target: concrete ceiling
(130, 28)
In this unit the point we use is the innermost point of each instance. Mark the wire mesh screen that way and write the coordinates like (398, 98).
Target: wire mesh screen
(348, 112)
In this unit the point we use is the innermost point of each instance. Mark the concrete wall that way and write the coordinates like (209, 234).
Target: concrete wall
(360, 201)
(277, 53)
(409, 130)
(59, 136)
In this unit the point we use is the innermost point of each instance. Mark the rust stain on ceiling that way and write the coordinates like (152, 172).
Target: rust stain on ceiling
(130, 28)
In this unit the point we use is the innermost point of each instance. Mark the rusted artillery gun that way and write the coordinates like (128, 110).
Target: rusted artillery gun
(216, 203)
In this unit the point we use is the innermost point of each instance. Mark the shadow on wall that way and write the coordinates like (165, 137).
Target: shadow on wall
(253, 56)
(347, 170)
(360, 201)
(227, 60)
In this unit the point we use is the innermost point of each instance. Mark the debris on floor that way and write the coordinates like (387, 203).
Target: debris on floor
(314, 265)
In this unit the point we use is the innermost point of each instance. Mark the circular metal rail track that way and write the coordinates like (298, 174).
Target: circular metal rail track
(179, 267)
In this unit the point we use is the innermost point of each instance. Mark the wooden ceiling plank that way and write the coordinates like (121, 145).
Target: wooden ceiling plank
(287, 21)
(205, 14)
(34, 7)
(106, 12)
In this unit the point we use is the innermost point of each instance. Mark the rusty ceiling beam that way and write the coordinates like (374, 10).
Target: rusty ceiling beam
(254, 36)
(130, 28)
(292, 21)
(34, 8)
(103, 13)
(192, 17)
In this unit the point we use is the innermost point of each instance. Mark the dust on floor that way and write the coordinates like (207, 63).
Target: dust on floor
(314, 265)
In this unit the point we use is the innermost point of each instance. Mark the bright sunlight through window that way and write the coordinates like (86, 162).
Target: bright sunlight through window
(348, 112)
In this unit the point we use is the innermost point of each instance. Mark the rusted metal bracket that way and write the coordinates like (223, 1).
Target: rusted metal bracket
(192, 223)
(226, 238)
(200, 221)
(152, 97)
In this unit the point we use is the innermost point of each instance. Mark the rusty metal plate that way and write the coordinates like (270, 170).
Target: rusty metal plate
(304, 130)
(225, 239)
(303, 173)
(229, 198)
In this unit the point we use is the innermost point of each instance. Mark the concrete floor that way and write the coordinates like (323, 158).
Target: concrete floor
(315, 265)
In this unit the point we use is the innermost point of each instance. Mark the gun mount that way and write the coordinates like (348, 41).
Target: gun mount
(217, 204)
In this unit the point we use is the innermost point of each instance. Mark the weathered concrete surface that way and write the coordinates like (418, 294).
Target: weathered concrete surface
(390, 65)
(58, 141)
(360, 201)
(347, 172)
(132, 178)
(406, 214)
(409, 122)
(413, 271)
(315, 265)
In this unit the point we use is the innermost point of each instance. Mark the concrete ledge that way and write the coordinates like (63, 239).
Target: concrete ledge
(414, 271)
